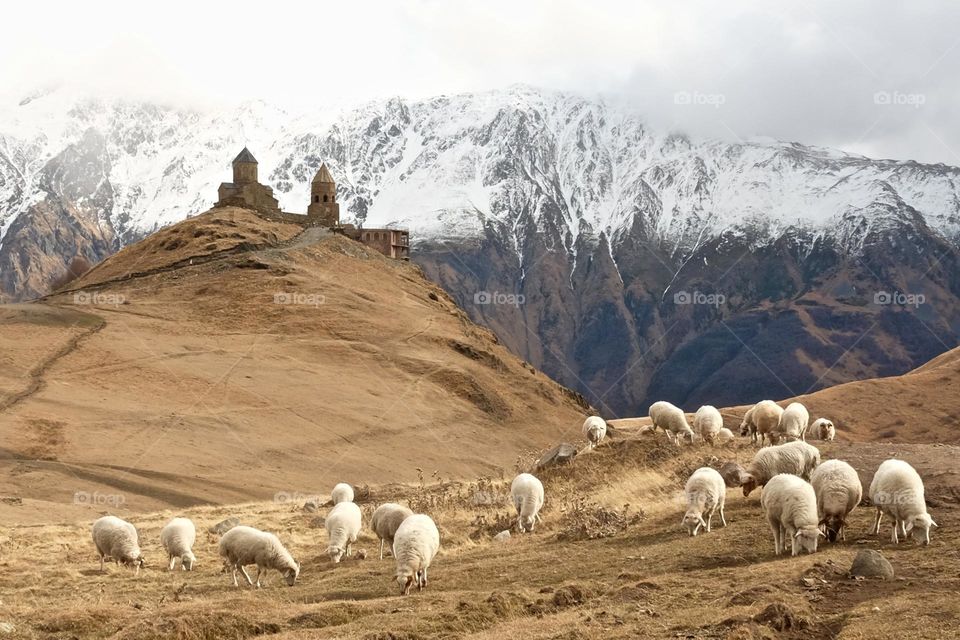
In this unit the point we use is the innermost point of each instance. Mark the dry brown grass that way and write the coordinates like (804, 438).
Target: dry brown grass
(642, 578)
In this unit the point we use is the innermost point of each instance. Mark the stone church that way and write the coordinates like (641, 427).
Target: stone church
(323, 209)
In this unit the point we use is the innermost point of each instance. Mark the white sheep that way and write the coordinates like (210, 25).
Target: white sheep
(793, 423)
(723, 436)
(707, 423)
(839, 491)
(672, 420)
(790, 505)
(177, 539)
(798, 458)
(385, 521)
(594, 430)
(414, 548)
(118, 540)
(343, 526)
(706, 493)
(897, 490)
(526, 491)
(341, 493)
(823, 429)
(761, 420)
(244, 545)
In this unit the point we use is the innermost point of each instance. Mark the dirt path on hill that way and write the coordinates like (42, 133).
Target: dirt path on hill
(35, 377)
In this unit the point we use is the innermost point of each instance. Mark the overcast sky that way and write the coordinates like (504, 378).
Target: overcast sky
(879, 78)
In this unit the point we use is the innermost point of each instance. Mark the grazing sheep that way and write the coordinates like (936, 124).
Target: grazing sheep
(385, 521)
(823, 429)
(118, 540)
(723, 436)
(707, 423)
(672, 420)
(897, 490)
(594, 430)
(790, 505)
(839, 491)
(343, 525)
(706, 492)
(244, 545)
(341, 493)
(414, 548)
(178, 538)
(793, 423)
(798, 458)
(527, 494)
(761, 421)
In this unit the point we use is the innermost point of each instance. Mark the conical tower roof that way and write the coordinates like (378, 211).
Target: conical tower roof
(245, 156)
(323, 175)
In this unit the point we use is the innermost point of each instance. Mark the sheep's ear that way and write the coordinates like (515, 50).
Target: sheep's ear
(702, 521)
(821, 533)
(797, 534)
(934, 523)
(909, 527)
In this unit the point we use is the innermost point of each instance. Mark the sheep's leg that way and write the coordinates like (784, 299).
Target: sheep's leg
(424, 578)
(876, 523)
(173, 561)
(259, 571)
(775, 527)
(101, 564)
(381, 548)
(903, 528)
(710, 519)
(235, 583)
(245, 575)
(894, 538)
(723, 519)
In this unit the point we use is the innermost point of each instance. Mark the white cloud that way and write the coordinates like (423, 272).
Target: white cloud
(798, 71)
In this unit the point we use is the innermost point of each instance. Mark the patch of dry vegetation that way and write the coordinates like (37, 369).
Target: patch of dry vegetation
(608, 561)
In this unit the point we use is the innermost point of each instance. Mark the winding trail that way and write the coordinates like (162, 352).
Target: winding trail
(36, 375)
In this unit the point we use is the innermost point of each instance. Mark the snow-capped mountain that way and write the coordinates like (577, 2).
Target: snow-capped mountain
(572, 205)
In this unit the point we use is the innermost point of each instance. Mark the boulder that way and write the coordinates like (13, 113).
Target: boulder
(224, 525)
(732, 474)
(560, 454)
(871, 564)
(503, 536)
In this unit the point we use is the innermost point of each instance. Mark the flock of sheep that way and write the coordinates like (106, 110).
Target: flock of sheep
(414, 538)
(802, 500)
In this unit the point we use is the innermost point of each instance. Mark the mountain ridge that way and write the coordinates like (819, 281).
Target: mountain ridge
(576, 207)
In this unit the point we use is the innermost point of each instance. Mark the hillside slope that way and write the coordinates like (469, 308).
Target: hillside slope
(609, 231)
(227, 359)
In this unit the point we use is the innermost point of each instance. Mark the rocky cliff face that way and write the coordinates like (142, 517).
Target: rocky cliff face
(628, 263)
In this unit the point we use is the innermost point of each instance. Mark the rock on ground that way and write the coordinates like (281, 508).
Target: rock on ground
(224, 525)
(871, 564)
(560, 454)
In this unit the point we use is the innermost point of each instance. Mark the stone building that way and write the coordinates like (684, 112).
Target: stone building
(393, 243)
(323, 198)
(245, 190)
(323, 209)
